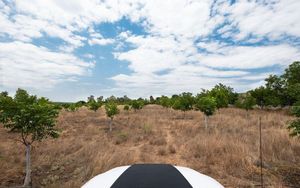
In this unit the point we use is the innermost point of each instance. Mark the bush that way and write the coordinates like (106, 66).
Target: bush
(294, 126)
(126, 107)
(296, 110)
(137, 104)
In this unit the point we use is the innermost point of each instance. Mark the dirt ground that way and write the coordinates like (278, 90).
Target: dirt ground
(227, 151)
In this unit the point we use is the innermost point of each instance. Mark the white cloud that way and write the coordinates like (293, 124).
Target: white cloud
(249, 57)
(272, 19)
(98, 39)
(180, 17)
(178, 52)
(30, 66)
(101, 42)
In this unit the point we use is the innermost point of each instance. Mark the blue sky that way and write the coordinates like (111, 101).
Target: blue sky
(67, 51)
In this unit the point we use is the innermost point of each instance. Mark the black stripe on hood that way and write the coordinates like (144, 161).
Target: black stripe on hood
(151, 176)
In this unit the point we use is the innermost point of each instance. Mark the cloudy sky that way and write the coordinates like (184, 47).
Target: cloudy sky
(67, 50)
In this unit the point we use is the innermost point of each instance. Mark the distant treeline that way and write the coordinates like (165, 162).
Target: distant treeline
(279, 91)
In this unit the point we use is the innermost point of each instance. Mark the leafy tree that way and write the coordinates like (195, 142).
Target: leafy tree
(207, 105)
(91, 98)
(152, 100)
(294, 126)
(93, 105)
(111, 109)
(72, 107)
(291, 74)
(293, 93)
(165, 101)
(33, 118)
(183, 102)
(100, 99)
(137, 104)
(80, 104)
(284, 89)
(275, 87)
(111, 99)
(246, 101)
(224, 95)
(4, 93)
(261, 96)
(126, 107)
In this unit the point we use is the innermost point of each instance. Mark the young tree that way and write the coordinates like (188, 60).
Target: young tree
(33, 118)
(72, 107)
(294, 126)
(164, 101)
(137, 104)
(126, 108)
(80, 104)
(224, 95)
(275, 86)
(183, 102)
(90, 98)
(93, 105)
(152, 100)
(111, 109)
(261, 96)
(207, 105)
(100, 99)
(246, 101)
(291, 74)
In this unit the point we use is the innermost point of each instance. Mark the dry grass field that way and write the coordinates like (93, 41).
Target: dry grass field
(227, 151)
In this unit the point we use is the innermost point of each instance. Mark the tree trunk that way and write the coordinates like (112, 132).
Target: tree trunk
(27, 180)
(110, 124)
(206, 121)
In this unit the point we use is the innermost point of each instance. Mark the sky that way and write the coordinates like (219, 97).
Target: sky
(68, 50)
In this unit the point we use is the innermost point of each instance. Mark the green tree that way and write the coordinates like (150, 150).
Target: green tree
(224, 95)
(93, 105)
(90, 98)
(80, 104)
(33, 118)
(291, 74)
(261, 96)
(183, 102)
(284, 89)
(72, 107)
(276, 90)
(165, 101)
(208, 106)
(152, 100)
(137, 104)
(126, 107)
(246, 101)
(294, 126)
(293, 93)
(111, 109)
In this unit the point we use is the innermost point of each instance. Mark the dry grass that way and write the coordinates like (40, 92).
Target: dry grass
(227, 151)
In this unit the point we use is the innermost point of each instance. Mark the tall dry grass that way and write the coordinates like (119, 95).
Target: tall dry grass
(227, 150)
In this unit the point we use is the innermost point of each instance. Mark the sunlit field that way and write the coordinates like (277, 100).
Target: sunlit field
(228, 150)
